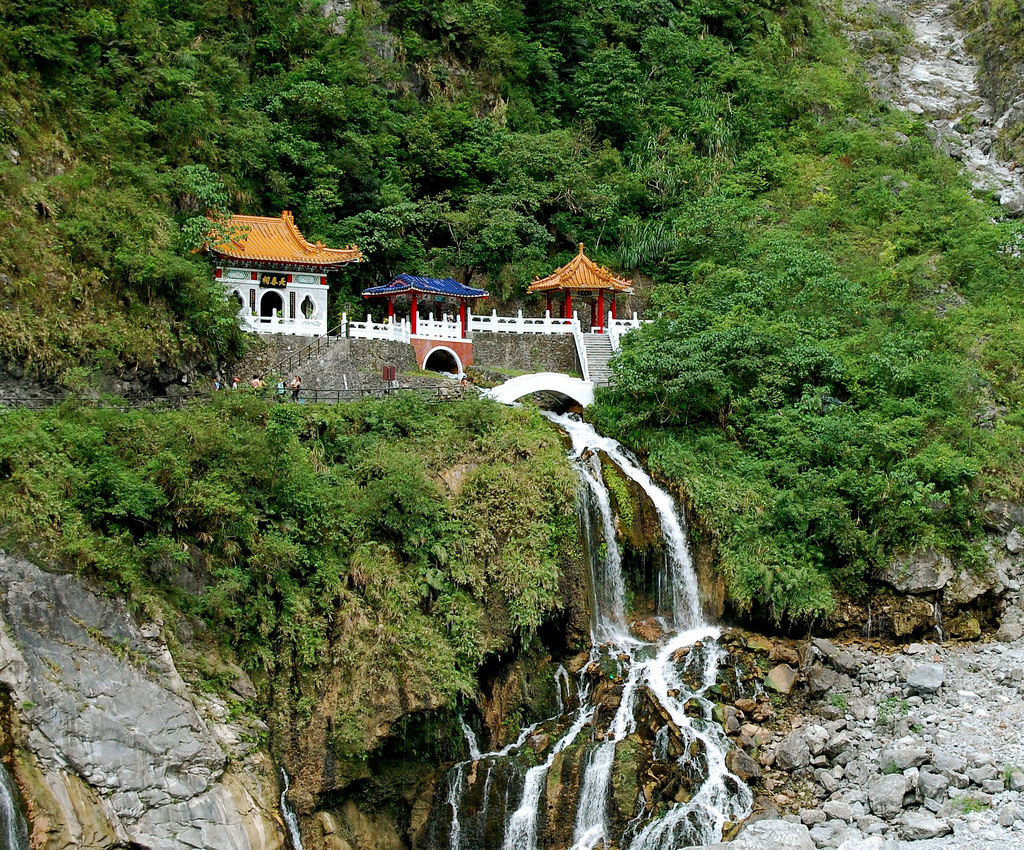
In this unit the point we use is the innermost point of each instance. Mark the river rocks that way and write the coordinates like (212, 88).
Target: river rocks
(776, 834)
(781, 678)
(793, 752)
(738, 762)
(886, 793)
(925, 678)
(874, 842)
(923, 571)
(903, 758)
(114, 728)
(921, 825)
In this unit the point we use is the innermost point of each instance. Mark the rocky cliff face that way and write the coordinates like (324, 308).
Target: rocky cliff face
(922, 61)
(111, 747)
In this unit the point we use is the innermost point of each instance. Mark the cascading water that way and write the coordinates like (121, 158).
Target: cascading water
(13, 828)
(291, 821)
(672, 675)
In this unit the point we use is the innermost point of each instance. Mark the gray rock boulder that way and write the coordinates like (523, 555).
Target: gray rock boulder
(933, 786)
(918, 826)
(792, 752)
(926, 678)
(1002, 516)
(777, 834)
(781, 678)
(970, 585)
(1009, 632)
(875, 842)
(886, 795)
(842, 660)
(923, 571)
(903, 757)
(106, 713)
(839, 810)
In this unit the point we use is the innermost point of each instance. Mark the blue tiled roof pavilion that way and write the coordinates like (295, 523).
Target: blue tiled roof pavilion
(407, 284)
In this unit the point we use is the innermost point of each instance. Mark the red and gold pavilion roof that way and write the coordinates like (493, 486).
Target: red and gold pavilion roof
(581, 272)
(278, 240)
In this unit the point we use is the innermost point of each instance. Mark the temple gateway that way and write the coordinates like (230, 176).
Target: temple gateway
(278, 279)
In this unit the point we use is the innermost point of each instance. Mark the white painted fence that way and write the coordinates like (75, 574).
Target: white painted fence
(448, 327)
(279, 325)
(618, 328)
(396, 330)
(518, 324)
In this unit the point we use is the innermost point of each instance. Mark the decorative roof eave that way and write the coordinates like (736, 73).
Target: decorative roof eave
(407, 284)
(263, 239)
(581, 273)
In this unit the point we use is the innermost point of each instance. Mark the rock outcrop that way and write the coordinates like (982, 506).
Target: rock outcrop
(113, 746)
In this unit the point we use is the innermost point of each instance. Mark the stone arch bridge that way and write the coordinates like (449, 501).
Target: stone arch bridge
(554, 383)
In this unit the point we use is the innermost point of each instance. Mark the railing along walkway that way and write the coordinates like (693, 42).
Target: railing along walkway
(455, 392)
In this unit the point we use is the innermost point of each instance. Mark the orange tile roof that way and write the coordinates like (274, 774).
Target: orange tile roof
(581, 272)
(277, 240)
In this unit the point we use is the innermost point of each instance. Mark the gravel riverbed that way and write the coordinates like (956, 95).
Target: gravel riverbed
(917, 748)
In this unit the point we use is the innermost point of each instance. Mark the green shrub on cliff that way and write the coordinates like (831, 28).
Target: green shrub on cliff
(307, 534)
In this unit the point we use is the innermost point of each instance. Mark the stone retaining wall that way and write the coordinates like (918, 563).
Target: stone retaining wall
(525, 352)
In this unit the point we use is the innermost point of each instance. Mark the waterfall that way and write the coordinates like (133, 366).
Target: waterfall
(674, 673)
(288, 813)
(474, 747)
(13, 828)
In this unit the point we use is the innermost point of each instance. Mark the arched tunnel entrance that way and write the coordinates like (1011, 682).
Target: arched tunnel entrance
(443, 360)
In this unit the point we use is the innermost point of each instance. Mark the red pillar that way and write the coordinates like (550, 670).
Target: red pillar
(412, 313)
(391, 308)
(613, 306)
(549, 303)
(462, 316)
(568, 305)
(600, 311)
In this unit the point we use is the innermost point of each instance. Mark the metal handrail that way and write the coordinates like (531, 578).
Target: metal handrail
(296, 357)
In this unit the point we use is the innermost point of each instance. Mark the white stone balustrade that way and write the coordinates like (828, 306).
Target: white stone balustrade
(396, 330)
(443, 328)
(276, 324)
(518, 324)
(448, 327)
(617, 328)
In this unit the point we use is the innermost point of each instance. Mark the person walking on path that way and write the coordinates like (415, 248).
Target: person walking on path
(296, 386)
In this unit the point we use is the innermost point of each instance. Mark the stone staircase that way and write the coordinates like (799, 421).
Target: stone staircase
(599, 352)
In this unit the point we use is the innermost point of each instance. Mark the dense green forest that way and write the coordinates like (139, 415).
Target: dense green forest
(836, 373)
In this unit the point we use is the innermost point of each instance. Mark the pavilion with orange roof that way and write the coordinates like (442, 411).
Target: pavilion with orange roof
(583, 278)
(278, 278)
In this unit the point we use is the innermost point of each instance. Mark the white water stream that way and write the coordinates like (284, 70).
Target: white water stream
(665, 671)
(13, 829)
(291, 821)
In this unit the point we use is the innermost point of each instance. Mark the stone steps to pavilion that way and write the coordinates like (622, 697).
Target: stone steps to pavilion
(599, 352)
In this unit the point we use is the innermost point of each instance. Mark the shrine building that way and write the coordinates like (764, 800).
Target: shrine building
(432, 293)
(277, 278)
(583, 279)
